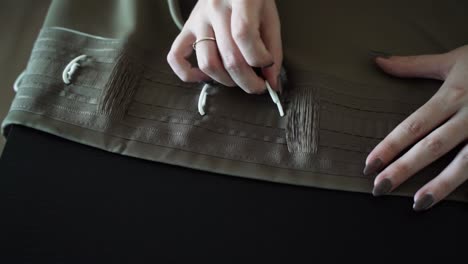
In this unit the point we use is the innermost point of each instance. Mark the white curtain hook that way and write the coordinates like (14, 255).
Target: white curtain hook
(71, 68)
(202, 99)
(203, 95)
(18, 81)
(275, 98)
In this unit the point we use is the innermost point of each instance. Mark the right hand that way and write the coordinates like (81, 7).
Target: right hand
(247, 35)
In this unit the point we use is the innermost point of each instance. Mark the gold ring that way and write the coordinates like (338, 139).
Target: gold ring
(200, 40)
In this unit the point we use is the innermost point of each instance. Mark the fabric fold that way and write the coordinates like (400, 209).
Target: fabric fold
(125, 99)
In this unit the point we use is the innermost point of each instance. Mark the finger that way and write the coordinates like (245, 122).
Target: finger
(271, 35)
(422, 66)
(416, 126)
(209, 60)
(177, 58)
(450, 98)
(233, 61)
(245, 26)
(431, 148)
(444, 184)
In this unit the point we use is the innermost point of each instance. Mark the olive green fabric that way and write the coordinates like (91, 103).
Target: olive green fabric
(20, 22)
(125, 98)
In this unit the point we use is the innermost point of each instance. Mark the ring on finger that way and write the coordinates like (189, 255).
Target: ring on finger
(194, 45)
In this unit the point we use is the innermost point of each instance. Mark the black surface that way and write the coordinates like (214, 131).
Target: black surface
(63, 202)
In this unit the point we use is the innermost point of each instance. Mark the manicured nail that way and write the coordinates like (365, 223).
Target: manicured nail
(381, 54)
(383, 187)
(423, 203)
(373, 167)
(269, 65)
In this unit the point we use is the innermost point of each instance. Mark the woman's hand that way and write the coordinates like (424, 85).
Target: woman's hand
(247, 34)
(436, 128)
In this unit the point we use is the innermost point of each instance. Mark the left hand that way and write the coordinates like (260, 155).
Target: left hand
(437, 127)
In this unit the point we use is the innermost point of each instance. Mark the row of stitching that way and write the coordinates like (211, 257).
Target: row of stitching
(185, 150)
(34, 91)
(220, 125)
(48, 105)
(357, 114)
(51, 45)
(258, 154)
(83, 99)
(361, 109)
(19, 107)
(328, 87)
(224, 131)
(365, 104)
(350, 134)
(41, 80)
(167, 96)
(99, 57)
(91, 113)
(315, 77)
(56, 58)
(59, 34)
(340, 121)
(132, 127)
(278, 129)
(175, 120)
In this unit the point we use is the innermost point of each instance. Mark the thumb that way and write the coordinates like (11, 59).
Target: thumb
(434, 66)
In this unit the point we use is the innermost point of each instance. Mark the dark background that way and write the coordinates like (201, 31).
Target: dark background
(62, 202)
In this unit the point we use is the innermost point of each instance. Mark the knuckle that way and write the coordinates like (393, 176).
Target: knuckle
(241, 32)
(401, 169)
(414, 127)
(171, 59)
(464, 158)
(208, 66)
(184, 76)
(232, 64)
(215, 4)
(433, 145)
(390, 147)
(173, 62)
(456, 94)
(445, 186)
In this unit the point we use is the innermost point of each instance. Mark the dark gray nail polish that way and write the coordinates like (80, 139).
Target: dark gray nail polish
(377, 53)
(373, 167)
(383, 187)
(423, 203)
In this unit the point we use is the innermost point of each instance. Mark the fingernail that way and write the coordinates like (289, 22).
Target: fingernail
(279, 84)
(373, 167)
(383, 187)
(381, 54)
(269, 65)
(423, 203)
